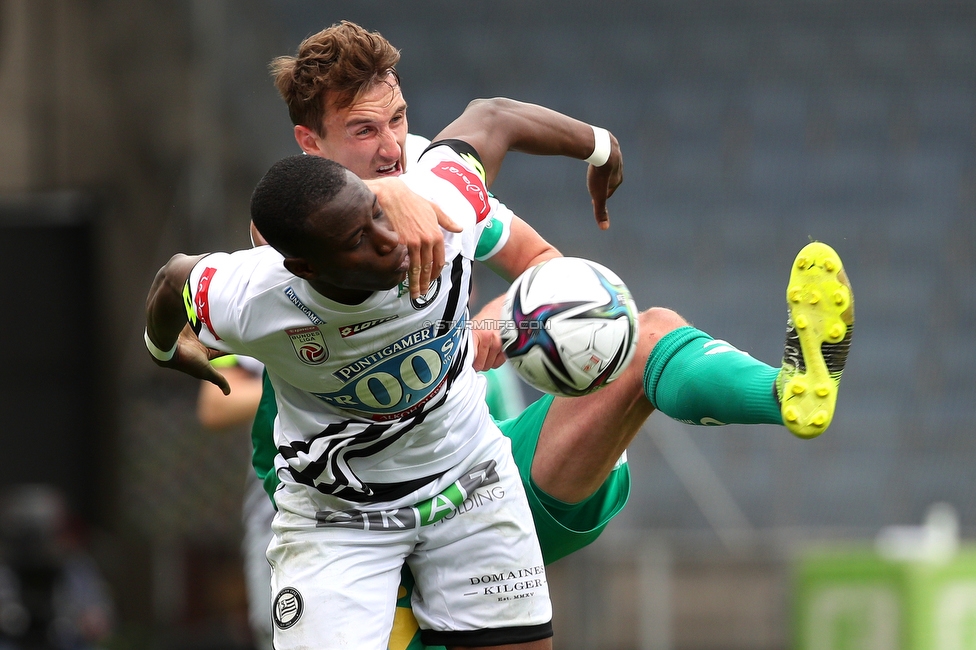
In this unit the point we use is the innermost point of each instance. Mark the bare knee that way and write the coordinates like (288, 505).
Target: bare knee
(658, 321)
(654, 324)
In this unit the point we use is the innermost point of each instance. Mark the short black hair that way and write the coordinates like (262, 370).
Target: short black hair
(291, 191)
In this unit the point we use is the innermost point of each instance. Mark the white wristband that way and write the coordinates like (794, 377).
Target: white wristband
(601, 147)
(162, 355)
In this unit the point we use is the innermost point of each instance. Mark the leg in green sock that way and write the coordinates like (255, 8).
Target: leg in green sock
(694, 378)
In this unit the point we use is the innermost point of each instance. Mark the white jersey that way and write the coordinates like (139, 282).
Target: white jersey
(378, 399)
(413, 147)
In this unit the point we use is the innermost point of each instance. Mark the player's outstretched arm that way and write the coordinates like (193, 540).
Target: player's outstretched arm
(170, 341)
(525, 248)
(499, 125)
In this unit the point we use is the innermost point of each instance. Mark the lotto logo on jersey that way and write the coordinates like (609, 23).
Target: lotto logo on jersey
(469, 184)
(351, 330)
(309, 344)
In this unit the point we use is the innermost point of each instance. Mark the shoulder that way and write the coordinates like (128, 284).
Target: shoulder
(416, 144)
(244, 274)
(454, 150)
(257, 260)
(451, 167)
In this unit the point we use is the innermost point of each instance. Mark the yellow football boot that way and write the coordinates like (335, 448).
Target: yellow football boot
(818, 338)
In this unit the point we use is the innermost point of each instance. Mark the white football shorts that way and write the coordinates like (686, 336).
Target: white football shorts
(471, 545)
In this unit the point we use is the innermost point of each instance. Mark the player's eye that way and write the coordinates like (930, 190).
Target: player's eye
(357, 239)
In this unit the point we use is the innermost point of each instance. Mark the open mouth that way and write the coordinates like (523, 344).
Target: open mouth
(392, 169)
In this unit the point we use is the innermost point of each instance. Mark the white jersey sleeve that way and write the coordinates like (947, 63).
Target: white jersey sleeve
(450, 174)
(219, 291)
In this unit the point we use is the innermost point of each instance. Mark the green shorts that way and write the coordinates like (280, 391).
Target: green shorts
(562, 528)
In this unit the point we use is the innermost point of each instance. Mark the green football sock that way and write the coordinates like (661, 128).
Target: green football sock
(694, 378)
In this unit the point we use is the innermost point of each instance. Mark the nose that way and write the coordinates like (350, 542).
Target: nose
(389, 147)
(387, 239)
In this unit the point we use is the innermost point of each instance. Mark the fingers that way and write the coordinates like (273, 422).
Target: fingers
(413, 273)
(438, 259)
(495, 360)
(419, 277)
(598, 183)
(193, 358)
(477, 351)
(424, 281)
(219, 381)
(445, 221)
(600, 213)
(487, 357)
(419, 273)
(615, 181)
(430, 254)
(427, 254)
(424, 277)
(603, 181)
(488, 351)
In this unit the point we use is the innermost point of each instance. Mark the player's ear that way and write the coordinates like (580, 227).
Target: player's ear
(308, 140)
(257, 239)
(298, 266)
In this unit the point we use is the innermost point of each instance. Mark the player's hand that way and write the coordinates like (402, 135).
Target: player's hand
(486, 336)
(488, 353)
(428, 249)
(193, 358)
(603, 181)
(418, 222)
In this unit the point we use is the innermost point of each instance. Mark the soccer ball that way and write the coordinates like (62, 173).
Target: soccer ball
(569, 326)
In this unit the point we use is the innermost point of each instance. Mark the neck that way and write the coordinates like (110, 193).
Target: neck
(342, 296)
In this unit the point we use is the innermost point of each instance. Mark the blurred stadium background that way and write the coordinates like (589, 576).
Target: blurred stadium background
(133, 129)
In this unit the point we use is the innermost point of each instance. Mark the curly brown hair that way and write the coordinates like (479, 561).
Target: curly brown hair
(332, 68)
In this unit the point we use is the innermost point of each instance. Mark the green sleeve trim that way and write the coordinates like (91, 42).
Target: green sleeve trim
(262, 438)
(489, 239)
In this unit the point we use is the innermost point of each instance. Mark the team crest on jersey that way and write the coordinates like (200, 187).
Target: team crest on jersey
(309, 344)
(351, 330)
(288, 607)
(421, 302)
